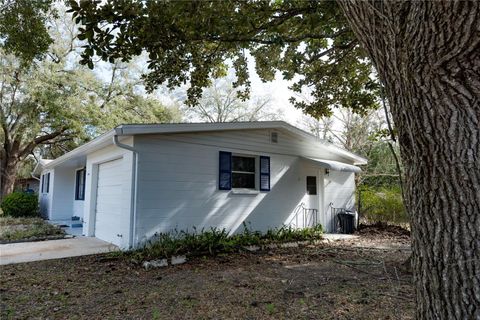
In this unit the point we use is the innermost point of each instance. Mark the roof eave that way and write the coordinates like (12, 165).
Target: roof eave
(82, 150)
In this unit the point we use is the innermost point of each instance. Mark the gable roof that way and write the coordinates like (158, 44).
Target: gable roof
(41, 164)
(165, 128)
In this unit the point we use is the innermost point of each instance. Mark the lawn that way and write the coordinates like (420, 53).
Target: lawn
(337, 280)
(28, 229)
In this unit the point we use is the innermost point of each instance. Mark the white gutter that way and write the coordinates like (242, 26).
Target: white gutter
(334, 165)
(33, 176)
(134, 193)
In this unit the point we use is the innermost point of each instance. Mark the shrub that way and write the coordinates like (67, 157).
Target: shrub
(216, 241)
(20, 204)
(383, 204)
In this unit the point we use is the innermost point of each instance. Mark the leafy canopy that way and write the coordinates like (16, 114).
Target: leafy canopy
(308, 42)
(23, 28)
(54, 104)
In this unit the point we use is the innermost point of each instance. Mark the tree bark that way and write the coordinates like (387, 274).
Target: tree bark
(8, 176)
(427, 55)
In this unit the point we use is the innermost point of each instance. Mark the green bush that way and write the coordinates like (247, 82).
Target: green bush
(216, 241)
(384, 204)
(20, 204)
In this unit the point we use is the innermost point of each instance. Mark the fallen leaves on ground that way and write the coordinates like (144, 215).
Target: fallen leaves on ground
(325, 281)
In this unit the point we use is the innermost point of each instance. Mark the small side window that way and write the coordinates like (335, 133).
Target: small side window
(48, 182)
(45, 183)
(311, 185)
(80, 185)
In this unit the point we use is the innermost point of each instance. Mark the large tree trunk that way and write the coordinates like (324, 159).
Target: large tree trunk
(8, 174)
(427, 55)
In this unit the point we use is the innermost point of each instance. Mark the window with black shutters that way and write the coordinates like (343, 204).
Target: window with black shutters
(243, 172)
(312, 185)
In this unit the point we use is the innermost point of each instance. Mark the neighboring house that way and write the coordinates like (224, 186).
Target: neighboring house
(27, 185)
(138, 180)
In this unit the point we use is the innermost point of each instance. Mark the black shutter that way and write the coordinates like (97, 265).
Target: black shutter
(225, 171)
(264, 173)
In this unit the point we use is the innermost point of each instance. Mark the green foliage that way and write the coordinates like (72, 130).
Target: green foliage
(54, 104)
(23, 29)
(270, 308)
(308, 42)
(383, 204)
(215, 241)
(20, 204)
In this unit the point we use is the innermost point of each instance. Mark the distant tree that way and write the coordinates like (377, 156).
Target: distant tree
(51, 105)
(221, 103)
(365, 135)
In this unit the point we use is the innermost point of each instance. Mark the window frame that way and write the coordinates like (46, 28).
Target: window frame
(46, 183)
(315, 185)
(254, 173)
(80, 196)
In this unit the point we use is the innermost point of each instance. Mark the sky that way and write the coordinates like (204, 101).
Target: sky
(277, 91)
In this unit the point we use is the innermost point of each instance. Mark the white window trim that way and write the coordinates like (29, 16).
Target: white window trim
(245, 191)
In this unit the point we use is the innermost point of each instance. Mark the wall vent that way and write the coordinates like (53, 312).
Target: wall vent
(274, 137)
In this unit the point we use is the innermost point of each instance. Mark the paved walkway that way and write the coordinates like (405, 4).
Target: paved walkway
(52, 249)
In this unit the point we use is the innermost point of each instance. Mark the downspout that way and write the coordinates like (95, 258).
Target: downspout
(133, 210)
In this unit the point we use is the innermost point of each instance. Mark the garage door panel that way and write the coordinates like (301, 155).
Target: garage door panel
(109, 220)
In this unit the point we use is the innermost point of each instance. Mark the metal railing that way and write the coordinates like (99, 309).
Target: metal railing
(305, 217)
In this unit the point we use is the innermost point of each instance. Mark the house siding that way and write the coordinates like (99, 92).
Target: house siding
(78, 208)
(62, 189)
(252, 140)
(339, 192)
(178, 181)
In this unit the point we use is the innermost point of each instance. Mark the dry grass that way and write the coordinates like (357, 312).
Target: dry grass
(15, 229)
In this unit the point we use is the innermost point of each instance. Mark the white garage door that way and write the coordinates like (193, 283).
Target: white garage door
(109, 222)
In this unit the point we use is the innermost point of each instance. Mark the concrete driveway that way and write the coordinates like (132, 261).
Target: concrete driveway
(52, 249)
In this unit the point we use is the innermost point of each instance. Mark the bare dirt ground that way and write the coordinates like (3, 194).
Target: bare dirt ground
(336, 280)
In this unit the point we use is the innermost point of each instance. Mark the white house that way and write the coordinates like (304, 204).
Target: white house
(138, 180)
